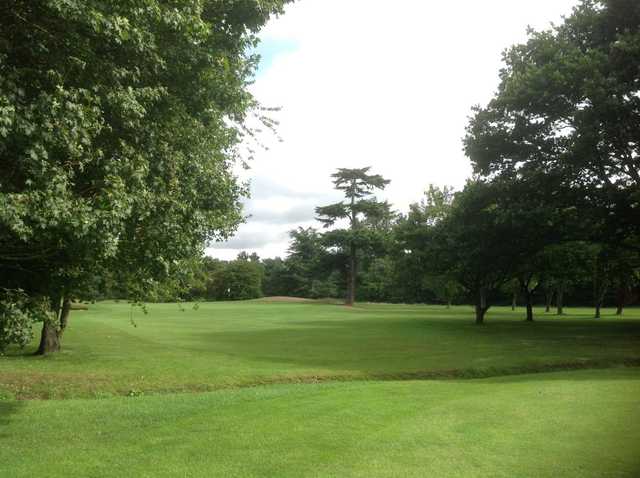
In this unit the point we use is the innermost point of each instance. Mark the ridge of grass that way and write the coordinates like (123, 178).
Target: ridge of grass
(20, 393)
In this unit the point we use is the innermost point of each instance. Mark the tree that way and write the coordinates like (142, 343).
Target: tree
(567, 107)
(472, 244)
(304, 261)
(275, 282)
(444, 286)
(613, 267)
(413, 235)
(18, 313)
(564, 266)
(119, 128)
(377, 280)
(532, 223)
(625, 277)
(237, 280)
(362, 212)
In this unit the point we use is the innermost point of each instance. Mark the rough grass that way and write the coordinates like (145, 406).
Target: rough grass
(223, 345)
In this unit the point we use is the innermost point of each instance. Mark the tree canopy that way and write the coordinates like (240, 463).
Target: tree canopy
(568, 107)
(120, 123)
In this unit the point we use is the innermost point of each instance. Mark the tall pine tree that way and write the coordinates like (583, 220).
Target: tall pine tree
(362, 212)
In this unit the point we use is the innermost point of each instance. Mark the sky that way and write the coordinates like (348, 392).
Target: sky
(371, 83)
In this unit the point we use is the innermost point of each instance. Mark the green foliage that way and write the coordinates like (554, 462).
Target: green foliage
(327, 287)
(276, 277)
(305, 261)
(368, 219)
(418, 277)
(236, 280)
(445, 288)
(567, 109)
(120, 123)
(18, 313)
(378, 280)
(472, 244)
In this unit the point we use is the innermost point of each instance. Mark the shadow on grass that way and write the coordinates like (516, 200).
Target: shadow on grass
(371, 345)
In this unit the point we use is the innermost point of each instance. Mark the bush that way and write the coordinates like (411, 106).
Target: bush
(18, 313)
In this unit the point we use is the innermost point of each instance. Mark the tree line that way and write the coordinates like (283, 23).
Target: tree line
(449, 248)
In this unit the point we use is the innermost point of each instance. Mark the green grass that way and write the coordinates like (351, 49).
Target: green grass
(569, 423)
(223, 345)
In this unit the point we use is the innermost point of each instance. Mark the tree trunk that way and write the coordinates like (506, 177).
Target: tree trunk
(599, 300)
(600, 283)
(49, 340)
(527, 296)
(548, 299)
(524, 288)
(514, 299)
(449, 304)
(351, 278)
(559, 300)
(64, 315)
(621, 299)
(480, 313)
(52, 330)
(481, 307)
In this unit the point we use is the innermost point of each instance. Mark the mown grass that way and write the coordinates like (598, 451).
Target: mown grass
(573, 423)
(570, 424)
(222, 345)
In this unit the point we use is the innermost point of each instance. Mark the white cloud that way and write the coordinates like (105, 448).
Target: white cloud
(376, 83)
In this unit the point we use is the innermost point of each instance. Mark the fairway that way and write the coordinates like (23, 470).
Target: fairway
(114, 349)
(112, 402)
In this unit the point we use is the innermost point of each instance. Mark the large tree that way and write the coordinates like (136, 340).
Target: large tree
(119, 125)
(568, 106)
(365, 217)
(414, 233)
(473, 244)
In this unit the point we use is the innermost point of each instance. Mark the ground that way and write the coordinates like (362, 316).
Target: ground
(306, 389)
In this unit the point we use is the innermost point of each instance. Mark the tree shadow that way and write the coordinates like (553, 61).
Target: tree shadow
(390, 345)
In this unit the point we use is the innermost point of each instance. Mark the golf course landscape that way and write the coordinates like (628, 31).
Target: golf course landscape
(260, 388)
(330, 239)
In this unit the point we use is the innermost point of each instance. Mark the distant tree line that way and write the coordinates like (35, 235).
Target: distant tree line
(475, 246)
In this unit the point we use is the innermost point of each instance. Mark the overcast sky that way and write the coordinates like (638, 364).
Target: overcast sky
(386, 84)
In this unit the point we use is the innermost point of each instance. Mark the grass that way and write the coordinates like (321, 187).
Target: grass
(222, 345)
(333, 423)
(570, 424)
